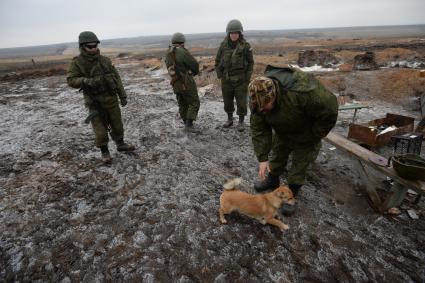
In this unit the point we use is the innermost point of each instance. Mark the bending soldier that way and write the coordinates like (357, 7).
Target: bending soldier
(291, 111)
(182, 66)
(100, 82)
(234, 64)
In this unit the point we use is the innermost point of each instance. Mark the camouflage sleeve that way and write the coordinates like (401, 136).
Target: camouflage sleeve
(249, 61)
(191, 63)
(261, 133)
(75, 77)
(322, 106)
(121, 92)
(167, 60)
(218, 67)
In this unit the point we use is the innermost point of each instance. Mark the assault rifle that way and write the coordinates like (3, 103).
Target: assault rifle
(174, 72)
(99, 111)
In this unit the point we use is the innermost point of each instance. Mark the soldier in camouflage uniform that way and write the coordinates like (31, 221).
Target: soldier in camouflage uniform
(291, 112)
(234, 64)
(182, 66)
(101, 84)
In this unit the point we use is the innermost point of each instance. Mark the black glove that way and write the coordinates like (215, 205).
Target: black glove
(123, 101)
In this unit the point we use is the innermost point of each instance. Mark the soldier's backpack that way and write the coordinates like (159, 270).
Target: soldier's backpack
(173, 70)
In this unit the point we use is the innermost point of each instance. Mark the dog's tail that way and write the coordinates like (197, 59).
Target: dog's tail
(232, 184)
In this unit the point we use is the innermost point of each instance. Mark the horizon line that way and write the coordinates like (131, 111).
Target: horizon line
(189, 34)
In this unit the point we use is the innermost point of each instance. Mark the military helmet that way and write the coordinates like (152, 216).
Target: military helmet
(87, 37)
(262, 90)
(178, 38)
(409, 166)
(234, 26)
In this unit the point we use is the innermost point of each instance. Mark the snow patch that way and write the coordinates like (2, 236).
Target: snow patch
(316, 68)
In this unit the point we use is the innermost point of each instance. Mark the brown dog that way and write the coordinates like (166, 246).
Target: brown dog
(262, 207)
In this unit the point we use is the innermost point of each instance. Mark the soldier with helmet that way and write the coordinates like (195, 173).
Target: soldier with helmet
(101, 85)
(291, 111)
(234, 64)
(182, 66)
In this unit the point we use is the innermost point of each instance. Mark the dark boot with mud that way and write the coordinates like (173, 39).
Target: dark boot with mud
(188, 126)
(270, 183)
(106, 155)
(288, 209)
(122, 146)
(229, 121)
(241, 124)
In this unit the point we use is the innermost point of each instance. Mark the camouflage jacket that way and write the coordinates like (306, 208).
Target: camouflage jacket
(304, 113)
(234, 60)
(185, 66)
(95, 67)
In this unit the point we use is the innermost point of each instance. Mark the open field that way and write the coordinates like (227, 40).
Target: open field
(152, 216)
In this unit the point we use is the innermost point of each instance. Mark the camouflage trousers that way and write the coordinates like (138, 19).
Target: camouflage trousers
(188, 102)
(301, 158)
(111, 107)
(232, 89)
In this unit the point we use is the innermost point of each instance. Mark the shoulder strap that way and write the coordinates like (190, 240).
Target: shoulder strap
(173, 56)
(80, 63)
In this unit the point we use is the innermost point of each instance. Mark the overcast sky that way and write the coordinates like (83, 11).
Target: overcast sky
(37, 22)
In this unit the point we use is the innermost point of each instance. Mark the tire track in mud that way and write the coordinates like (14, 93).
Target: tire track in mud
(152, 214)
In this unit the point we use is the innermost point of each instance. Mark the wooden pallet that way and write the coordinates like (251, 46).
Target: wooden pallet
(363, 157)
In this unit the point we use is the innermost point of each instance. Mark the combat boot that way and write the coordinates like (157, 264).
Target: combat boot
(241, 125)
(188, 125)
(289, 209)
(190, 128)
(106, 156)
(270, 183)
(229, 121)
(122, 146)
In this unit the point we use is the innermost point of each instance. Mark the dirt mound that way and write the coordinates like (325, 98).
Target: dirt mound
(124, 54)
(152, 63)
(32, 74)
(365, 62)
(323, 58)
(400, 85)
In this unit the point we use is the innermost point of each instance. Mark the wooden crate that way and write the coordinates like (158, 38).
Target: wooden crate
(362, 134)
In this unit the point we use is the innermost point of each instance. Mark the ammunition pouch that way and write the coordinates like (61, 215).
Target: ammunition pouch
(106, 84)
(110, 83)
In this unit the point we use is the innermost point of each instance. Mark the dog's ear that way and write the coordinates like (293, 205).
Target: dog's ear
(280, 194)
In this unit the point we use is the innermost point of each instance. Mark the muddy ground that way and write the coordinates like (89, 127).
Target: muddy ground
(151, 215)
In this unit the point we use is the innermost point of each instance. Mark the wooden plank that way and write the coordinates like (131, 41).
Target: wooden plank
(369, 185)
(364, 155)
(352, 106)
(395, 198)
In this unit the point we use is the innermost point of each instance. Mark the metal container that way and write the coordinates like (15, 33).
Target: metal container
(409, 166)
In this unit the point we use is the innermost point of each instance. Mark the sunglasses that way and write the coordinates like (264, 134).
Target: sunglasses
(91, 46)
